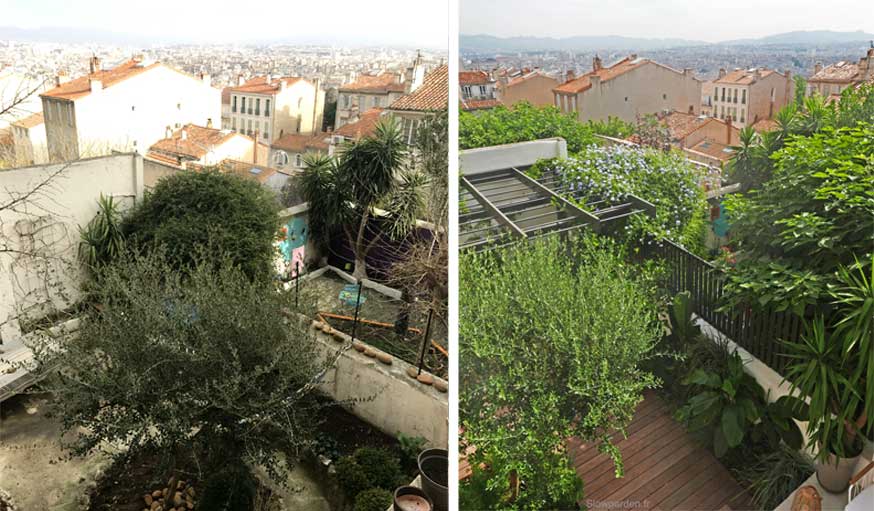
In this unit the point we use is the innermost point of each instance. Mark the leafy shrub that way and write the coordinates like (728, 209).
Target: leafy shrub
(547, 330)
(224, 214)
(230, 489)
(375, 499)
(666, 180)
(774, 475)
(368, 467)
(410, 447)
(521, 123)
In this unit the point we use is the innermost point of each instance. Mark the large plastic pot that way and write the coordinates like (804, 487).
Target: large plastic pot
(834, 475)
(410, 498)
(434, 467)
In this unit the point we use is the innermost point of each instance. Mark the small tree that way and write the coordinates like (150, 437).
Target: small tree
(551, 339)
(371, 173)
(204, 360)
(227, 215)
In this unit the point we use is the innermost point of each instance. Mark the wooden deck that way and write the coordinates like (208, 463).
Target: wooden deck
(665, 469)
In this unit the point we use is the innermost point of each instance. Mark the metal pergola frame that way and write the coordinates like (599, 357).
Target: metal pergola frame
(505, 206)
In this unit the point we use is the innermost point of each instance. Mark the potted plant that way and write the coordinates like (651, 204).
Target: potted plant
(434, 467)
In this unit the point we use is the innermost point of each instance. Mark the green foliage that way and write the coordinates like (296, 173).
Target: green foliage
(224, 215)
(375, 499)
(173, 361)
(811, 217)
(370, 173)
(230, 489)
(666, 180)
(101, 241)
(612, 127)
(366, 468)
(650, 132)
(733, 405)
(521, 123)
(682, 327)
(410, 447)
(774, 475)
(548, 330)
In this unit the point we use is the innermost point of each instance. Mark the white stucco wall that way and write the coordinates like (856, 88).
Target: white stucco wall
(49, 224)
(522, 154)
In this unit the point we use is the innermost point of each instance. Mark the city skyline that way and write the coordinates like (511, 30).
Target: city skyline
(675, 19)
(382, 23)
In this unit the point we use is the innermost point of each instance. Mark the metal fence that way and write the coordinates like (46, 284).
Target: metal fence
(757, 331)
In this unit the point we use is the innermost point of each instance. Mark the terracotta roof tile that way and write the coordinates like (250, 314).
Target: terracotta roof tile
(297, 143)
(842, 72)
(378, 84)
(260, 85)
(81, 87)
(525, 77)
(744, 76)
(197, 143)
(431, 96)
(363, 127)
(765, 125)
(31, 121)
(473, 78)
(716, 150)
(583, 83)
(479, 104)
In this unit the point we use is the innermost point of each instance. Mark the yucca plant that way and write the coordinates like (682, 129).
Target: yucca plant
(101, 240)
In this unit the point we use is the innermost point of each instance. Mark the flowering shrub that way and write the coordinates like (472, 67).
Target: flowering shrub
(666, 180)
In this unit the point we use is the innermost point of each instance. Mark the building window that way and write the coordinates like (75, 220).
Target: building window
(234, 123)
(249, 129)
(258, 106)
(664, 96)
(743, 97)
(178, 106)
(482, 91)
(280, 159)
(242, 105)
(234, 104)
(266, 108)
(249, 109)
(345, 101)
(375, 101)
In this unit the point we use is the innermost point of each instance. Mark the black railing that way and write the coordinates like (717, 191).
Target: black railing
(757, 331)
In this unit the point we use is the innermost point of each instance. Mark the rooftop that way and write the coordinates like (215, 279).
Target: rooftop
(376, 84)
(431, 96)
(473, 78)
(364, 126)
(744, 76)
(297, 143)
(841, 72)
(577, 85)
(480, 104)
(261, 84)
(81, 87)
(31, 121)
(192, 141)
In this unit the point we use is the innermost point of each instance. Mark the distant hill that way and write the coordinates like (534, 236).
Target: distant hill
(808, 38)
(69, 36)
(577, 43)
(589, 43)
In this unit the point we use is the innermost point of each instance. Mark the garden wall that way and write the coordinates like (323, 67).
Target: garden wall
(522, 154)
(388, 398)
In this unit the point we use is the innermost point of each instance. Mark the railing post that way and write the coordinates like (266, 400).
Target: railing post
(425, 341)
(357, 308)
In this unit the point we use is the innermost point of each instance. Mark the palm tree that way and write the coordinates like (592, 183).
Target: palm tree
(371, 173)
(743, 162)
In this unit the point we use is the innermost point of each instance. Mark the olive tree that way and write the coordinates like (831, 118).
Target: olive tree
(552, 336)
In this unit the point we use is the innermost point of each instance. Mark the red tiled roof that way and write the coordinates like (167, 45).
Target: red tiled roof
(258, 172)
(260, 85)
(297, 143)
(744, 76)
(363, 127)
(377, 84)
(479, 104)
(431, 96)
(527, 76)
(842, 72)
(716, 150)
(30, 121)
(81, 87)
(197, 143)
(473, 78)
(583, 83)
(163, 158)
(765, 125)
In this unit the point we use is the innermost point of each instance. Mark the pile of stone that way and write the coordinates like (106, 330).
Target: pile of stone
(176, 496)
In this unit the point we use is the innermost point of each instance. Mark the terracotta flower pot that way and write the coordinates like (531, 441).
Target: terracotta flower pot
(410, 498)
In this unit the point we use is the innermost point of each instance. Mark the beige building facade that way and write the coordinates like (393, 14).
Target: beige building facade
(534, 87)
(746, 96)
(832, 80)
(269, 107)
(628, 89)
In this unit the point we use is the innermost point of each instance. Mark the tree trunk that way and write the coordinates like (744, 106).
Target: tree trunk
(360, 248)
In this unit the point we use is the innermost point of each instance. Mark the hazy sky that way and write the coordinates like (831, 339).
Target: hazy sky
(709, 21)
(403, 22)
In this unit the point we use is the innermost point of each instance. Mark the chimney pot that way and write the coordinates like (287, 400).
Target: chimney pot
(596, 63)
(94, 64)
(721, 72)
(817, 68)
(240, 80)
(571, 74)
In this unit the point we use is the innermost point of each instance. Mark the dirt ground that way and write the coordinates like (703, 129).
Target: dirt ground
(33, 468)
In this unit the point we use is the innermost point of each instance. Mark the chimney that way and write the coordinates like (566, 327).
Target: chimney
(571, 75)
(282, 84)
(270, 78)
(240, 80)
(721, 72)
(209, 122)
(757, 74)
(184, 134)
(687, 71)
(94, 64)
(817, 68)
(206, 79)
(596, 63)
(168, 132)
(62, 77)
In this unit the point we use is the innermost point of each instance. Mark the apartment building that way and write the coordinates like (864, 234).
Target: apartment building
(365, 93)
(204, 146)
(363, 127)
(748, 95)
(426, 101)
(477, 90)
(288, 151)
(29, 145)
(832, 80)
(628, 89)
(126, 108)
(535, 87)
(269, 107)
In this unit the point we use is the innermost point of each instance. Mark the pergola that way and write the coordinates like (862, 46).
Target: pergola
(500, 207)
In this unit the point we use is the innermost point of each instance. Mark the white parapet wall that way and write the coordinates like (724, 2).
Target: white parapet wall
(499, 157)
(385, 395)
